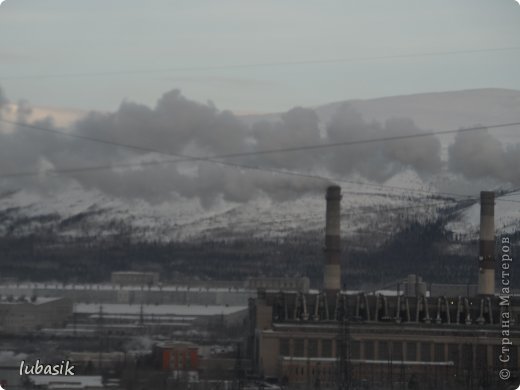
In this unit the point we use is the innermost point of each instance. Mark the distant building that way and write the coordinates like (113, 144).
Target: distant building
(179, 356)
(89, 382)
(124, 319)
(111, 293)
(279, 284)
(133, 278)
(414, 286)
(98, 359)
(21, 314)
(10, 370)
(453, 290)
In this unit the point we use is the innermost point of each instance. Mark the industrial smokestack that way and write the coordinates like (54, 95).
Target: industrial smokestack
(486, 277)
(332, 274)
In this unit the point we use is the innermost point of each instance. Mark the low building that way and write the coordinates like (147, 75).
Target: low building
(21, 314)
(89, 382)
(179, 356)
(98, 359)
(10, 377)
(111, 293)
(123, 319)
(279, 284)
(134, 278)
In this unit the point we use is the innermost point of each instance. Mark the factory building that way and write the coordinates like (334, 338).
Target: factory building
(408, 339)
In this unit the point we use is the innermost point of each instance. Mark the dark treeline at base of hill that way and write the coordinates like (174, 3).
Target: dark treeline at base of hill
(426, 250)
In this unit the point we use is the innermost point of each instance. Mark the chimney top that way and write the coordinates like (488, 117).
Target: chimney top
(333, 192)
(487, 197)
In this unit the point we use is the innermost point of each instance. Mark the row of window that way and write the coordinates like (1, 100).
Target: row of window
(325, 373)
(459, 354)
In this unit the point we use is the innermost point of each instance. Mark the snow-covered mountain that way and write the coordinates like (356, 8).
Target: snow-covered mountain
(368, 207)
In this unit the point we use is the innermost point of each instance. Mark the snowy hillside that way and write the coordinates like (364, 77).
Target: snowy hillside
(369, 208)
(507, 217)
(366, 209)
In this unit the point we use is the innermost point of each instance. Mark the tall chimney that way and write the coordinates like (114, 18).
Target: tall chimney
(332, 273)
(486, 277)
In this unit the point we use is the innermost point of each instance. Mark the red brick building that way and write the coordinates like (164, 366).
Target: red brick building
(179, 356)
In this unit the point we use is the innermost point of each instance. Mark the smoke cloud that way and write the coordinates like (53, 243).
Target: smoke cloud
(480, 155)
(380, 160)
(179, 126)
(3, 101)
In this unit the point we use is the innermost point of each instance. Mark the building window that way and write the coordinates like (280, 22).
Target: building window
(397, 351)
(438, 352)
(467, 353)
(284, 347)
(426, 352)
(453, 353)
(411, 351)
(312, 348)
(383, 350)
(369, 350)
(513, 353)
(355, 350)
(299, 348)
(326, 348)
(481, 356)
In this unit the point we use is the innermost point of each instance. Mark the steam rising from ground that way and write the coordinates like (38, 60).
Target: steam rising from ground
(179, 126)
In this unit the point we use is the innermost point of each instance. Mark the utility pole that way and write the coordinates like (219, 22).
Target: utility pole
(100, 335)
(239, 371)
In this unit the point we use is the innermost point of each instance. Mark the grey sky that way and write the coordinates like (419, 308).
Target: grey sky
(63, 37)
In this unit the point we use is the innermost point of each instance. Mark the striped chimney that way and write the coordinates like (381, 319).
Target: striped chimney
(332, 273)
(486, 277)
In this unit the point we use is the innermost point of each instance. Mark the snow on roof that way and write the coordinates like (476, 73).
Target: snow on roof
(179, 310)
(68, 382)
(17, 300)
(369, 361)
(116, 287)
(134, 316)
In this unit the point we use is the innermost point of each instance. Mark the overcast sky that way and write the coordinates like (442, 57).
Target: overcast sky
(79, 51)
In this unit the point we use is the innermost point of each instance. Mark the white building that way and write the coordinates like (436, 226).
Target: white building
(21, 314)
(67, 382)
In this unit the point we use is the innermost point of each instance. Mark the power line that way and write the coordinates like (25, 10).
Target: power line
(352, 211)
(374, 209)
(277, 171)
(266, 151)
(215, 159)
(257, 65)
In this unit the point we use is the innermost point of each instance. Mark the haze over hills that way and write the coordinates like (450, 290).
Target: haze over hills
(434, 111)
(439, 110)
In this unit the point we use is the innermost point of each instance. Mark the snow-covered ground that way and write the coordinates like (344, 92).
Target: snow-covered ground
(507, 217)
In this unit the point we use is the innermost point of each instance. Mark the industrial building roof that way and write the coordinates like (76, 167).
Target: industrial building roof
(180, 310)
